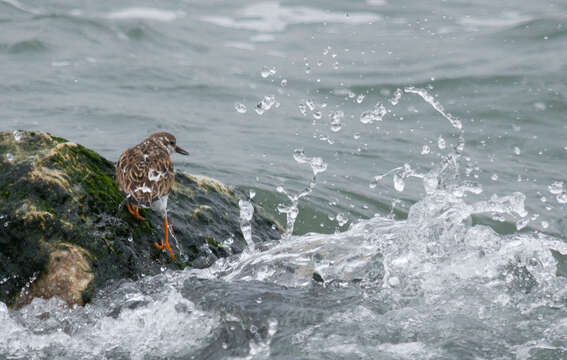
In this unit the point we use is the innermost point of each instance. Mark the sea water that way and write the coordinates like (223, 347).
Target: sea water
(414, 152)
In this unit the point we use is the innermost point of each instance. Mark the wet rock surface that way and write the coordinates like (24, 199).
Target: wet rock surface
(63, 232)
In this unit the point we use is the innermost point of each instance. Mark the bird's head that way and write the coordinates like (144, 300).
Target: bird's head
(167, 141)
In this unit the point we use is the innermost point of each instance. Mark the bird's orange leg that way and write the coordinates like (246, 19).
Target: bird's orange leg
(165, 244)
(132, 209)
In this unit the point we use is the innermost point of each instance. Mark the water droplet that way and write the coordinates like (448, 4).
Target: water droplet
(544, 224)
(283, 83)
(310, 104)
(17, 136)
(441, 143)
(360, 98)
(318, 165)
(268, 71)
(336, 118)
(356, 135)
(494, 177)
(425, 150)
(341, 219)
(517, 150)
(399, 183)
(265, 104)
(130, 238)
(561, 198)
(317, 115)
(556, 187)
(241, 108)
(302, 109)
(9, 157)
(299, 156)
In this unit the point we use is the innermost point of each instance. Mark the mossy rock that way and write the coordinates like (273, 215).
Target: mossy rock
(59, 203)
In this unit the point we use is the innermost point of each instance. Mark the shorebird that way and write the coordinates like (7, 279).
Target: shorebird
(145, 174)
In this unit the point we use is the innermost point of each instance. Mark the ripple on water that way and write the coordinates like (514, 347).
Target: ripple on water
(25, 47)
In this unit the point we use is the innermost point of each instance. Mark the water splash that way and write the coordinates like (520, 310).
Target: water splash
(318, 165)
(246, 214)
(396, 97)
(376, 114)
(430, 99)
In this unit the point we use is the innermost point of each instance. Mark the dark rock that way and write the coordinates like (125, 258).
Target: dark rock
(63, 233)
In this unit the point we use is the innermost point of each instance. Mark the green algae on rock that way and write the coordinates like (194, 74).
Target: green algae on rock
(60, 219)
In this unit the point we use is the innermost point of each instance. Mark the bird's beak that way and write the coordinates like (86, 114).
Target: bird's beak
(181, 151)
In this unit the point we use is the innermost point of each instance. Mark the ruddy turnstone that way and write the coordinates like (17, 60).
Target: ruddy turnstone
(145, 174)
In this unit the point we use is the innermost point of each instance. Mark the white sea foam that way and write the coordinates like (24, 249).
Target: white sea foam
(145, 14)
(143, 324)
(240, 45)
(376, 2)
(273, 17)
(507, 19)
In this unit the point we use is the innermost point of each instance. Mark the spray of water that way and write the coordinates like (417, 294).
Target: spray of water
(246, 214)
(318, 166)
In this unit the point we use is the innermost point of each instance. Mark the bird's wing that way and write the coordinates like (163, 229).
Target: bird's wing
(140, 174)
(160, 172)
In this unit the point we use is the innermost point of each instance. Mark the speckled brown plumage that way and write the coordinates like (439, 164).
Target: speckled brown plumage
(145, 171)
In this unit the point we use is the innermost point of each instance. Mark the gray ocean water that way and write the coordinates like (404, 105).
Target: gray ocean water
(437, 130)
